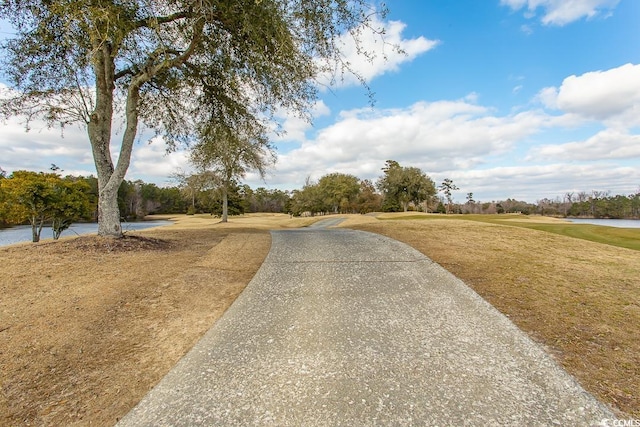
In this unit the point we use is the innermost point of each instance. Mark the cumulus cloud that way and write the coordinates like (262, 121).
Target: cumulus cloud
(607, 144)
(611, 96)
(384, 55)
(70, 150)
(42, 146)
(433, 136)
(548, 96)
(461, 139)
(563, 12)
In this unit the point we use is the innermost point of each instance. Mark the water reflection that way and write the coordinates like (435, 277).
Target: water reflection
(618, 223)
(22, 233)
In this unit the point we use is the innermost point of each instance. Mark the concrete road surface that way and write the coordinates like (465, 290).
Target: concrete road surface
(347, 328)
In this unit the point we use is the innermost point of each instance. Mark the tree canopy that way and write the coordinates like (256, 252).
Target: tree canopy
(335, 193)
(401, 186)
(339, 192)
(228, 154)
(447, 187)
(168, 64)
(39, 198)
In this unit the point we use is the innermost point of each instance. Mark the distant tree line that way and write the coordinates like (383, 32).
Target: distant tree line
(398, 189)
(39, 198)
(596, 204)
(402, 188)
(335, 193)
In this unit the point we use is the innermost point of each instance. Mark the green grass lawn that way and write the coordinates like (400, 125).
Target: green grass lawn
(623, 237)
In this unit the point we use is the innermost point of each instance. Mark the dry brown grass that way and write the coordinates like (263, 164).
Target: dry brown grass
(578, 298)
(89, 325)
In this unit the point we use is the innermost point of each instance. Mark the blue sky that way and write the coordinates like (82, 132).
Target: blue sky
(524, 99)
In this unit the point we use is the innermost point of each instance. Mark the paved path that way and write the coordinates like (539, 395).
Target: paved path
(342, 327)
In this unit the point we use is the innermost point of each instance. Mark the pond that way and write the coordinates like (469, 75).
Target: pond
(619, 223)
(22, 233)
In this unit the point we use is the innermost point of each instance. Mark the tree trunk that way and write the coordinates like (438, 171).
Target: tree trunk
(35, 234)
(225, 205)
(109, 214)
(99, 129)
(37, 223)
(100, 124)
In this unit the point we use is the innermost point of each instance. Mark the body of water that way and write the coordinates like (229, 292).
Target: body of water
(620, 223)
(22, 233)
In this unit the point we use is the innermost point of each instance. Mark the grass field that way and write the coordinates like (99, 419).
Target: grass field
(89, 325)
(622, 237)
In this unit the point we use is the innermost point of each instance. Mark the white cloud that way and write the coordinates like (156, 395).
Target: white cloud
(151, 162)
(42, 146)
(611, 96)
(293, 127)
(548, 96)
(70, 150)
(607, 144)
(562, 12)
(461, 140)
(533, 182)
(433, 136)
(384, 55)
(458, 139)
(526, 29)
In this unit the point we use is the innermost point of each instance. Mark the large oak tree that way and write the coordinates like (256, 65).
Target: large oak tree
(402, 185)
(168, 64)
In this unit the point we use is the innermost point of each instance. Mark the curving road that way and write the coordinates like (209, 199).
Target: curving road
(342, 327)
